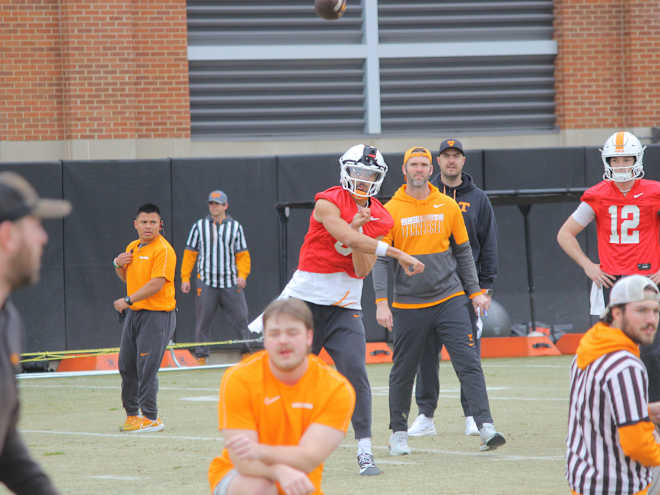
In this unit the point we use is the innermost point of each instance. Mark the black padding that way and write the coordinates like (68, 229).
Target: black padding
(250, 184)
(42, 305)
(105, 197)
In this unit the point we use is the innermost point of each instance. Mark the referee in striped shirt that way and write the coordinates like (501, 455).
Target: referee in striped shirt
(217, 243)
(611, 442)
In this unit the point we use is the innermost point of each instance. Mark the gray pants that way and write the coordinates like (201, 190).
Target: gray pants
(343, 336)
(450, 322)
(234, 305)
(427, 387)
(144, 337)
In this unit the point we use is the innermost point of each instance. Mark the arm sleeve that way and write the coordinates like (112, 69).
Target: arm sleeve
(19, 471)
(626, 394)
(189, 258)
(466, 269)
(379, 275)
(243, 264)
(638, 443)
(487, 262)
(584, 214)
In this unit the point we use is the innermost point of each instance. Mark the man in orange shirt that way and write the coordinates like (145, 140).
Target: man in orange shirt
(147, 268)
(282, 411)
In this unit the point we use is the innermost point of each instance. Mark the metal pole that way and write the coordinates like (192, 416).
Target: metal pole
(525, 209)
(284, 243)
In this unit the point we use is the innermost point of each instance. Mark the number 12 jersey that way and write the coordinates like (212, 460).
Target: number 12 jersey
(628, 226)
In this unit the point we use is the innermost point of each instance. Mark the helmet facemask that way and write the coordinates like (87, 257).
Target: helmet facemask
(362, 171)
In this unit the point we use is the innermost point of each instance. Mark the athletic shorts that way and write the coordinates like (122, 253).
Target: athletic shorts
(222, 488)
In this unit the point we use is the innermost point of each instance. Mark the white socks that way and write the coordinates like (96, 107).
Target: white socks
(364, 445)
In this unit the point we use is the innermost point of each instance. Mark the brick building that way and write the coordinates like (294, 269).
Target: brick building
(111, 79)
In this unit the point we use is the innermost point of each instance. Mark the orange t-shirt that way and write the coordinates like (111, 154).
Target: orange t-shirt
(154, 260)
(251, 398)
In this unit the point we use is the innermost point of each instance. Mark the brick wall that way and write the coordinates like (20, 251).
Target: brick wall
(30, 70)
(607, 68)
(90, 69)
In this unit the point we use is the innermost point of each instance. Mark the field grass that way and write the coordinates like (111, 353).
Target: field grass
(71, 426)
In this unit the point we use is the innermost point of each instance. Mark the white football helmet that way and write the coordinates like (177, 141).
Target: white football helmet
(362, 170)
(623, 144)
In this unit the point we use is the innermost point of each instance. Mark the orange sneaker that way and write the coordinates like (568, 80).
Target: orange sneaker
(130, 424)
(142, 424)
(147, 424)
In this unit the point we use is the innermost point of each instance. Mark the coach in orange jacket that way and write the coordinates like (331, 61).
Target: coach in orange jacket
(611, 442)
(438, 301)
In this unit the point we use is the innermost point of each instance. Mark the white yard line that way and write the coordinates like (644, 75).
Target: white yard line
(492, 455)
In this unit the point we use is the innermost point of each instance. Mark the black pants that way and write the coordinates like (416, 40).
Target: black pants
(144, 337)
(427, 385)
(450, 322)
(342, 333)
(232, 302)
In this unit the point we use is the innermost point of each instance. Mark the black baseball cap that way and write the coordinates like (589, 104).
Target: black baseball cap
(451, 143)
(19, 199)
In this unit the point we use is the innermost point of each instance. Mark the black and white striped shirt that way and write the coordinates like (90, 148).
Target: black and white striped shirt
(217, 245)
(610, 392)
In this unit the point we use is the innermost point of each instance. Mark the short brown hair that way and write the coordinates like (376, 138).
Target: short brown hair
(292, 307)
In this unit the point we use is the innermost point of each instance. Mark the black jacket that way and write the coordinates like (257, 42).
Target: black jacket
(18, 471)
(480, 223)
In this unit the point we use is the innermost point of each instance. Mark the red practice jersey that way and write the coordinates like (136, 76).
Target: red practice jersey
(322, 253)
(628, 226)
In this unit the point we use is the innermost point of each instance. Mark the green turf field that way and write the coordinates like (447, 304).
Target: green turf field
(71, 426)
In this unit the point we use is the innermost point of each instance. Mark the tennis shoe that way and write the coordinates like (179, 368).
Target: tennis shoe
(399, 443)
(144, 425)
(367, 465)
(422, 426)
(490, 439)
(130, 424)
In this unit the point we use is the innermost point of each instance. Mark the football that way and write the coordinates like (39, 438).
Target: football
(330, 9)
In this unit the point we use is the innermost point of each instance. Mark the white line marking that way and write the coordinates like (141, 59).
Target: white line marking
(202, 398)
(492, 455)
(158, 436)
(112, 387)
(115, 477)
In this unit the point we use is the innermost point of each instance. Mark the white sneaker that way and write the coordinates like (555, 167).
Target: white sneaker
(470, 427)
(399, 443)
(490, 439)
(422, 426)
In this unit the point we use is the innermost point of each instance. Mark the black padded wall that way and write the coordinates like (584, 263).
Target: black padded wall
(250, 184)
(560, 285)
(105, 197)
(71, 308)
(42, 305)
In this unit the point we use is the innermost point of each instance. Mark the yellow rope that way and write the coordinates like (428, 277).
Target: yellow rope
(30, 357)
